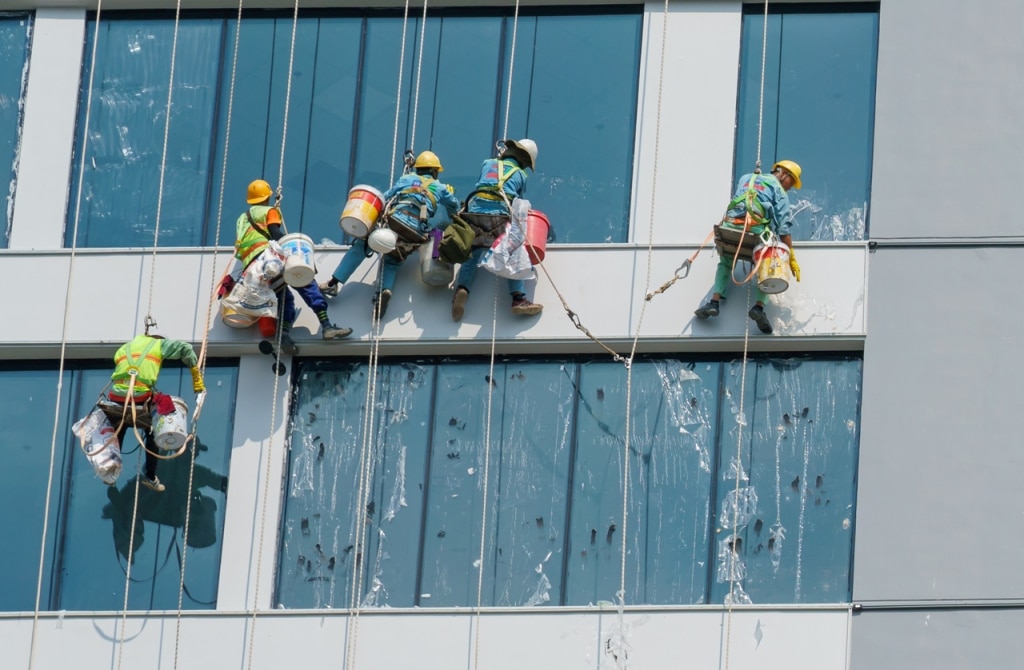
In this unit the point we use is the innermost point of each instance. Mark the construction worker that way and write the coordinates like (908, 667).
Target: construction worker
(133, 390)
(488, 209)
(255, 228)
(411, 201)
(764, 198)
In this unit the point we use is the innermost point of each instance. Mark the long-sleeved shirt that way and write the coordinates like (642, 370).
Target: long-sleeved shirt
(505, 173)
(772, 198)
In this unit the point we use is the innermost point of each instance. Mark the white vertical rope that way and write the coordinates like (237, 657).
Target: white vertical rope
(206, 331)
(64, 336)
(398, 95)
(760, 107)
(163, 165)
(265, 489)
(486, 474)
(511, 68)
(288, 95)
(419, 69)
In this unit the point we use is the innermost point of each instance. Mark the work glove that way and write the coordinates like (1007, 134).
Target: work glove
(226, 285)
(197, 381)
(793, 265)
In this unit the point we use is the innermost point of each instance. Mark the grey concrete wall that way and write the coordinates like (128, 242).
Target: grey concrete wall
(938, 494)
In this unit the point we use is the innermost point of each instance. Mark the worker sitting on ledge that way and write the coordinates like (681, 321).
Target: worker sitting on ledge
(762, 197)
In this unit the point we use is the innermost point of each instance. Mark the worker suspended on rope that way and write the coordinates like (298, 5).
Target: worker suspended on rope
(405, 225)
(763, 199)
(488, 210)
(258, 225)
(134, 401)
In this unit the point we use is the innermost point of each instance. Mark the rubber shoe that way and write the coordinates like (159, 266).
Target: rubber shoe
(524, 307)
(331, 332)
(380, 302)
(757, 314)
(288, 345)
(459, 303)
(153, 484)
(330, 290)
(708, 309)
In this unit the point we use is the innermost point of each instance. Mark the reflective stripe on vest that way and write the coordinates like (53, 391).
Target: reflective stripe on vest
(421, 189)
(251, 234)
(144, 356)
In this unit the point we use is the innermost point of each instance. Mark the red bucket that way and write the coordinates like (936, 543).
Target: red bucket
(537, 227)
(267, 326)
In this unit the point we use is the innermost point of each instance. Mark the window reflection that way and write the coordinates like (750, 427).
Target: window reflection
(15, 29)
(552, 475)
(86, 554)
(819, 107)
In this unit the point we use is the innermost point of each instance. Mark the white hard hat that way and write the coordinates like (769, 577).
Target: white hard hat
(383, 240)
(527, 146)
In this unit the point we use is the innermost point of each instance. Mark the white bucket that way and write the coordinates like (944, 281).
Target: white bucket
(434, 271)
(235, 319)
(99, 442)
(361, 211)
(171, 430)
(299, 270)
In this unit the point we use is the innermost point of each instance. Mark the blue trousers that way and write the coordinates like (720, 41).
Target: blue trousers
(468, 270)
(355, 256)
(310, 295)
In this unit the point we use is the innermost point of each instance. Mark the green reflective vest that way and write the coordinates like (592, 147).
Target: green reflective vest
(142, 355)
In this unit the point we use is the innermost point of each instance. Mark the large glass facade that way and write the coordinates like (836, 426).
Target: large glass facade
(15, 38)
(398, 515)
(819, 109)
(89, 531)
(573, 91)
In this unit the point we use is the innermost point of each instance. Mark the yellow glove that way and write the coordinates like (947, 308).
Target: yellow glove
(793, 265)
(197, 380)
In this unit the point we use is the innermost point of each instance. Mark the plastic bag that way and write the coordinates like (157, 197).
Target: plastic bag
(99, 442)
(508, 257)
(254, 294)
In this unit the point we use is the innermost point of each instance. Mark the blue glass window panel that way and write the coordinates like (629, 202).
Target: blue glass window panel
(97, 529)
(818, 110)
(320, 553)
(574, 93)
(125, 144)
(797, 483)
(527, 477)
(15, 31)
(674, 412)
(27, 407)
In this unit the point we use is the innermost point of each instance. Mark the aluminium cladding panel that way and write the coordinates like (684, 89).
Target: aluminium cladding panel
(938, 505)
(605, 286)
(949, 101)
(653, 640)
(51, 100)
(923, 639)
(694, 99)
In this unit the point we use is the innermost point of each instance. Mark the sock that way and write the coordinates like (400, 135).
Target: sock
(322, 315)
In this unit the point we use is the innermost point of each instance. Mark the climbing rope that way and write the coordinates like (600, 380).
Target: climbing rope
(486, 475)
(64, 339)
(398, 95)
(743, 376)
(419, 69)
(511, 66)
(265, 490)
(201, 364)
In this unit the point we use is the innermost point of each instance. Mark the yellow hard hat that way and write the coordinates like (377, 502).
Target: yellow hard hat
(258, 191)
(793, 169)
(428, 159)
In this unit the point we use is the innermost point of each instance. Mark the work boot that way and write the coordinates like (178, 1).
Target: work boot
(522, 306)
(153, 483)
(708, 309)
(331, 332)
(757, 314)
(380, 302)
(330, 289)
(459, 303)
(288, 345)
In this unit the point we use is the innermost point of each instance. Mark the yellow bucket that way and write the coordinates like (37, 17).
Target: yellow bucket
(361, 211)
(773, 272)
